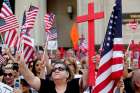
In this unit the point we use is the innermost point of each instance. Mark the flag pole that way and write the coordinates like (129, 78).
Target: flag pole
(2, 38)
(45, 49)
(129, 61)
(129, 43)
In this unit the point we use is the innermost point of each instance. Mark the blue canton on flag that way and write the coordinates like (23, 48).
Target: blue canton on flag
(2, 22)
(7, 2)
(8, 23)
(52, 34)
(114, 29)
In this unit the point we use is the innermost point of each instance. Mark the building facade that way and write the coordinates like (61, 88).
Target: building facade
(80, 7)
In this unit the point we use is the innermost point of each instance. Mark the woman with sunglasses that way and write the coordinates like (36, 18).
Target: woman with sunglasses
(8, 75)
(61, 80)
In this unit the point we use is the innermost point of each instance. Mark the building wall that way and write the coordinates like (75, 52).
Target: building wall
(99, 24)
(128, 6)
(64, 23)
(131, 7)
(38, 33)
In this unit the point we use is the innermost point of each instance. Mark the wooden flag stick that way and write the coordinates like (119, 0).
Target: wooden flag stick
(2, 39)
(44, 50)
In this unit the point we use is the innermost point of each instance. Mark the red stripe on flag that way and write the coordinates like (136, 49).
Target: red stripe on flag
(118, 47)
(10, 23)
(11, 34)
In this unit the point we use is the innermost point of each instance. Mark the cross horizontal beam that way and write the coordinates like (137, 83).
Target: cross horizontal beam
(85, 18)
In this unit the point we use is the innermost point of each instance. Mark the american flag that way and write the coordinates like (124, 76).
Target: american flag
(27, 41)
(49, 21)
(27, 24)
(11, 36)
(50, 27)
(8, 23)
(30, 17)
(52, 34)
(111, 63)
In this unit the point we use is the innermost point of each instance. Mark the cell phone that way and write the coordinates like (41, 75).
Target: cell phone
(17, 83)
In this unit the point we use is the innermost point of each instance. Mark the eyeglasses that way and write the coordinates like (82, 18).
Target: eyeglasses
(8, 74)
(58, 68)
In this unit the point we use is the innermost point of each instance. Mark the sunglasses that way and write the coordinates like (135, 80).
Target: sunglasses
(58, 68)
(8, 74)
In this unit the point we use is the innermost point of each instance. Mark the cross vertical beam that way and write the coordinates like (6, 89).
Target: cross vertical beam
(91, 17)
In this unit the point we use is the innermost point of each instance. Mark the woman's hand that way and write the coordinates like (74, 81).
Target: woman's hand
(17, 91)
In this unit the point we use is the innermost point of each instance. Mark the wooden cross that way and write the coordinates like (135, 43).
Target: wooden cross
(91, 17)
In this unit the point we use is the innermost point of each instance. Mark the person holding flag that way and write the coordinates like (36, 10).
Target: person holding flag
(60, 82)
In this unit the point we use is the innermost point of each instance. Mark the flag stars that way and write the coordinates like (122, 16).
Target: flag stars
(108, 51)
(114, 5)
(111, 21)
(108, 44)
(116, 17)
(109, 32)
(112, 16)
(110, 27)
(108, 39)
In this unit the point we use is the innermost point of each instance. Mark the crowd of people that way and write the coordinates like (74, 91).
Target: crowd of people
(52, 72)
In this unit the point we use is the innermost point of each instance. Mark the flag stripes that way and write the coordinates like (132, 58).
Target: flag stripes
(30, 17)
(28, 53)
(52, 34)
(27, 24)
(111, 62)
(49, 21)
(10, 36)
(10, 23)
(5, 11)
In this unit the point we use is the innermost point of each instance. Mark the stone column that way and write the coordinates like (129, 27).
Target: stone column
(38, 31)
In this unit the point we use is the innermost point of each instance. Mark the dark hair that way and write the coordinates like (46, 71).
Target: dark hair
(24, 82)
(1, 70)
(34, 64)
(29, 63)
(67, 69)
(15, 66)
(33, 69)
